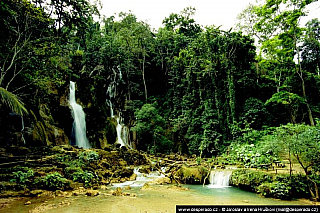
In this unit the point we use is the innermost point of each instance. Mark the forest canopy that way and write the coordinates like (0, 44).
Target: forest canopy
(183, 88)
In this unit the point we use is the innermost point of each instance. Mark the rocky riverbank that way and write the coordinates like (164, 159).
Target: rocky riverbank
(45, 171)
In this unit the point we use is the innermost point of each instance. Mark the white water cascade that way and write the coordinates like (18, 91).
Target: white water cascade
(79, 123)
(122, 129)
(142, 178)
(22, 125)
(219, 179)
(122, 133)
(112, 90)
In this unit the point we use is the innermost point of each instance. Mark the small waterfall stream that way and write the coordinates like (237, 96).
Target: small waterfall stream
(119, 131)
(219, 178)
(122, 129)
(22, 135)
(141, 178)
(79, 123)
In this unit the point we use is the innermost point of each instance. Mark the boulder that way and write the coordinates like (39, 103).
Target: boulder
(146, 186)
(133, 177)
(127, 188)
(35, 193)
(117, 192)
(161, 181)
(92, 192)
(27, 203)
(192, 175)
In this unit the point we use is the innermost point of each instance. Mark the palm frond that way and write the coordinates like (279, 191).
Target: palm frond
(13, 102)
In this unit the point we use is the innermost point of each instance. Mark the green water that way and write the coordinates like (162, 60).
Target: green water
(161, 198)
(233, 195)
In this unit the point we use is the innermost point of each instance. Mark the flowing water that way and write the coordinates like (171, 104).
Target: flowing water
(122, 129)
(122, 132)
(22, 129)
(141, 178)
(79, 124)
(157, 198)
(219, 178)
(161, 198)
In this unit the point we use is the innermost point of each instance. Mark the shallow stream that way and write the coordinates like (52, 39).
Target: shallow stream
(160, 198)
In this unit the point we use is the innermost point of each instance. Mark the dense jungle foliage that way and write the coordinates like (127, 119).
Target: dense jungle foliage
(182, 88)
(249, 94)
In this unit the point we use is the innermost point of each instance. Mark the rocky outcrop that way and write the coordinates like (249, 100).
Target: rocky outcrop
(192, 175)
(45, 132)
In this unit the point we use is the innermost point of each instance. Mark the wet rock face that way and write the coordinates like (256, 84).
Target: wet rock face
(192, 175)
(74, 166)
(45, 131)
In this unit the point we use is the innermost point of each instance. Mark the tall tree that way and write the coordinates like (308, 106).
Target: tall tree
(280, 21)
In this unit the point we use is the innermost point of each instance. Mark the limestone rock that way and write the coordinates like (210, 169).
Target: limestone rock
(133, 177)
(103, 187)
(117, 192)
(127, 188)
(27, 203)
(146, 186)
(161, 181)
(36, 192)
(92, 193)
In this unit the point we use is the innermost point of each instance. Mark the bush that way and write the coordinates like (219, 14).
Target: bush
(251, 155)
(265, 189)
(22, 177)
(85, 177)
(298, 185)
(250, 180)
(69, 171)
(88, 156)
(276, 189)
(54, 181)
(281, 191)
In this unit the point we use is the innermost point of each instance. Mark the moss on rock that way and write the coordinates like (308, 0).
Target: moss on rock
(192, 175)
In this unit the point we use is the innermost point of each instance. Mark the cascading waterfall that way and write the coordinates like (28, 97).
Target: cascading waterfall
(119, 131)
(122, 130)
(22, 136)
(79, 123)
(141, 178)
(219, 179)
(112, 91)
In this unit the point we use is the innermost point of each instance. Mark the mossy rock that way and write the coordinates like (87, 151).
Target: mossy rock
(249, 179)
(192, 175)
(17, 150)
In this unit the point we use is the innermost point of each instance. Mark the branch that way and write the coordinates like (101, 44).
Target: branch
(210, 167)
(26, 85)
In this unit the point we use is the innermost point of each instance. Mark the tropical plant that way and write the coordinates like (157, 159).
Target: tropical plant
(22, 177)
(13, 102)
(54, 181)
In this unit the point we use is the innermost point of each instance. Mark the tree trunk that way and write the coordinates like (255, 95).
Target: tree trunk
(305, 169)
(290, 164)
(134, 140)
(299, 72)
(144, 80)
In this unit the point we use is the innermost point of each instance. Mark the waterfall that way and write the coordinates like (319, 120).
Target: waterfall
(142, 178)
(122, 129)
(79, 123)
(119, 131)
(112, 90)
(22, 125)
(122, 132)
(219, 179)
